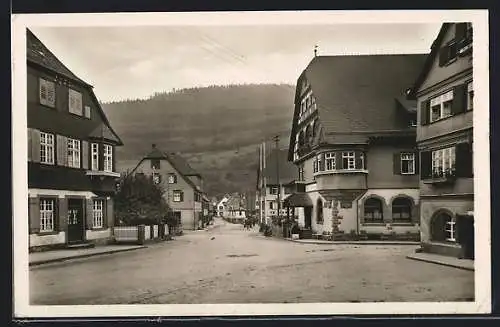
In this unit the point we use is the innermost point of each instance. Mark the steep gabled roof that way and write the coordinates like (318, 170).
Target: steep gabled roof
(176, 161)
(429, 60)
(39, 55)
(356, 93)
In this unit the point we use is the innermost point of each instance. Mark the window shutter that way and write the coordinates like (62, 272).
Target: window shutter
(338, 160)
(357, 160)
(425, 107)
(30, 144)
(62, 215)
(396, 163)
(417, 166)
(460, 31)
(89, 213)
(85, 154)
(34, 214)
(425, 164)
(109, 215)
(62, 150)
(35, 145)
(459, 103)
(463, 160)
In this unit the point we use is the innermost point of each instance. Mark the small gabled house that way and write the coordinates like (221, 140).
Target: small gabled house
(353, 142)
(444, 92)
(236, 208)
(71, 155)
(183, 185)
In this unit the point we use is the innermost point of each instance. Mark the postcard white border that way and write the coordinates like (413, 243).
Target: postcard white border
(479, 18)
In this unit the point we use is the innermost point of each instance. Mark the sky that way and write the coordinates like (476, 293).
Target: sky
(130, 62)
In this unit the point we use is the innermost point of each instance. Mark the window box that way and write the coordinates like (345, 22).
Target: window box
(441, 177)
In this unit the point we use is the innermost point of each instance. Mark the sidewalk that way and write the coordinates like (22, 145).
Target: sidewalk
(466, 264)
(40, 258)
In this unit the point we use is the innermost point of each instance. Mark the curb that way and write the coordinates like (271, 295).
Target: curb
(358, 243)
(80, 256)
(439, 263)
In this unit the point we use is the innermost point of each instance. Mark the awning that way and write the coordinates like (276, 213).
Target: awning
(298, 200)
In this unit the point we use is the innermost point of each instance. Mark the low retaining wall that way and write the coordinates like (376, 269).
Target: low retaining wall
(140, 234)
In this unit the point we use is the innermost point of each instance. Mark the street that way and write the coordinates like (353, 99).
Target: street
(230, 265)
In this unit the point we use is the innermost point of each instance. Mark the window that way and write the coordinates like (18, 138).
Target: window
(348, 161)
(172, 178)
(87, 112)
(470, 96)
(271, 205)
(450, 230)
(156, 178)
(47, 93)
(47, 214)
(315, 165)
(178, 196)
(443, 162)
(373, 211)
(108, 157)
(319, 212)
(407, 163)
(75, 102)
(94, 149)
(97, 214)
(301, 173)
(73, 153)
(46, 148)
(155, 163)
(321, 165)
(448, 53)
(273, 190)
(441, 106)
(401, 210)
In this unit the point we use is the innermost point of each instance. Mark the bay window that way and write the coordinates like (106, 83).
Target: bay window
(94, 152)
(348, 161)
(108, 157)
(330, 160)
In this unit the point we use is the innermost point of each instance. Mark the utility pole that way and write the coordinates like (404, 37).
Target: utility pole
(277, 140)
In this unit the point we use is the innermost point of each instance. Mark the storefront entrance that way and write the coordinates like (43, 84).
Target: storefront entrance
(75, 221)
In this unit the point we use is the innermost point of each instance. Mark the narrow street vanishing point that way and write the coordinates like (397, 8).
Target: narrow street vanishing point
(228, 264)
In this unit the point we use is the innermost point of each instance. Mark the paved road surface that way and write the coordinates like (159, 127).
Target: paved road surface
(230, 265)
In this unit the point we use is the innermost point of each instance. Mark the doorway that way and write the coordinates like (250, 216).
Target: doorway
(75, 220)
(308, 217)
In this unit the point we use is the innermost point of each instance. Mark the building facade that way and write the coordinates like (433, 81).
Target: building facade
(444, 91)
(71, 155)
(270, 188)
(182, 184)
(353, 142)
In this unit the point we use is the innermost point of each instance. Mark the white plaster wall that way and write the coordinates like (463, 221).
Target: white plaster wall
(187, 220)
(349, 219)
(97, 234)
(39, 240)
(147, 232)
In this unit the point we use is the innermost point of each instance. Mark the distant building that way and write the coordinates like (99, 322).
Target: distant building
(71, 155)
(235, 208)
(269, 186)
(183, 185)
(353, 142)
(221, 207)
(445, 92)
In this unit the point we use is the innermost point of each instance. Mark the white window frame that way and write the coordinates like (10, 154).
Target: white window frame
(94, 152)
(443, 159)
(351, 161)
(330, 161)
(410, 157)
(107, 153)
(46, 148)
(273, 190)
(98, 213)
(470, 96)
(74, 153)
(450, 229)
(47, 215)
(441, 101)
(75, 102)
(177, 196)
(50, 90)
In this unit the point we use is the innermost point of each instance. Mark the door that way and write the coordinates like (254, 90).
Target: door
(307, 217)
(75, 220)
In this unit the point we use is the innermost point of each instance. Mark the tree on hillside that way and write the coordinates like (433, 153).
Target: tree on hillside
(140, 201)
